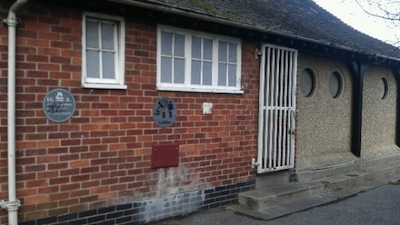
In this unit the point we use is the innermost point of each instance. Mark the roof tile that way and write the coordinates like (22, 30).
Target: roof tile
(302, 18)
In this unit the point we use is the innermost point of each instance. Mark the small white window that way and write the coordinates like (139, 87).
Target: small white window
(103, 52)
(198, 62)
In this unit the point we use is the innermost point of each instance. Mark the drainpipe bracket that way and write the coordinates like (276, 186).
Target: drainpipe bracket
(10, 206)
(12, 21)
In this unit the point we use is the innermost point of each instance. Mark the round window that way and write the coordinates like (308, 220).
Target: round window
(307, 82)
(383, 88)
(335, 84)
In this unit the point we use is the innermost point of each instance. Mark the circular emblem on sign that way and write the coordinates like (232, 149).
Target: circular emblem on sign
(164, 112)
(59, 105)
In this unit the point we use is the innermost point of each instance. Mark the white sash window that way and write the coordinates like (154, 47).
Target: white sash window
(103, 51)
(198, 62)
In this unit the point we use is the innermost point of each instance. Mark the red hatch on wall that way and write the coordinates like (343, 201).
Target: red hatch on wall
(165, 156)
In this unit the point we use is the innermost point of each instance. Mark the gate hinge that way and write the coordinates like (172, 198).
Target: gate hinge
(254, 163)
(257, 53)
(10, 206)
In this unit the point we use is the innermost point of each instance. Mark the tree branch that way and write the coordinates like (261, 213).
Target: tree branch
(387, 14)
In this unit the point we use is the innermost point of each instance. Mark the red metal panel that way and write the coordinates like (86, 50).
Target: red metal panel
(165, 156)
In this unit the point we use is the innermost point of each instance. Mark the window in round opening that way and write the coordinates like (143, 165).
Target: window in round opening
(335, 84)
(383, 88)
(307, 82)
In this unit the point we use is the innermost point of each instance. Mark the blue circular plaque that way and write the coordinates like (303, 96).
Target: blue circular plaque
(59, 105)
(164, 112)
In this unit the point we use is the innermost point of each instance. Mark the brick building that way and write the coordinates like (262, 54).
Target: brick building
(110, 159)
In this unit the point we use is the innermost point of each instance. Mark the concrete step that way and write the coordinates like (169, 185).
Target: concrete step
(318, 172)
(379, 161)
(267, 197)
(282, 209)
(273, 202)
(325, 171)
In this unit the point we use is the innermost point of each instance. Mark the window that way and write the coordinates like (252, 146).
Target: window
(335, 84)
(383, 87)
(199, 62)
(307, 82)
(103, 56)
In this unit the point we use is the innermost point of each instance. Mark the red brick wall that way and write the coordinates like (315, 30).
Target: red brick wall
(101, 156)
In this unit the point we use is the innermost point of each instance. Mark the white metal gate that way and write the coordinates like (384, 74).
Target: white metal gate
(277, 109)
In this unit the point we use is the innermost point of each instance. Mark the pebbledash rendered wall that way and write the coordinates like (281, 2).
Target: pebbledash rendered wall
(379, 114)
(324, 123)
(96, 166)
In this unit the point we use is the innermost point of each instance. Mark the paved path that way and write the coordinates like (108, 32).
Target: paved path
(373, 207)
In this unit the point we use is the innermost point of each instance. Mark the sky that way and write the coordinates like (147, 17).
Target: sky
(352, 14)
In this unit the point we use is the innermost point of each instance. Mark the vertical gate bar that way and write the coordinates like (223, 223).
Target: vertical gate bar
(281, 108)
(290, 111)
(294, 62)
(267, 102)
(261, 108)
(290, 99)
(285, 134)
(290, 124)
(284, 107)
(271, 105)
(267, 72)
(276, 106)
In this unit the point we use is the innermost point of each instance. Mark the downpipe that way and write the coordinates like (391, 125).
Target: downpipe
(13, 203)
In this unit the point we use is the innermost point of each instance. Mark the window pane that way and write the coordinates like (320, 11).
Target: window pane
(222, 49)
(232, 52)
(335, 84)
(383, 87)
(107, 34)
(108, 65)
(232, 76)
(307, 82)
(166, 70)
(196, 48)
(208, 49)
(93, 65)
(196, 70)
(179, 45)
(207, 73)
(222, 74)
(92, 34)
(166, 43)
(179, 71)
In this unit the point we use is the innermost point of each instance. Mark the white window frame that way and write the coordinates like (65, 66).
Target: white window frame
(119, 37)
(187, 86)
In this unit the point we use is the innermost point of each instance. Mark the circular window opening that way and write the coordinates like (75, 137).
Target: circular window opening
(307, 82)
(383, 88)
(335, 84)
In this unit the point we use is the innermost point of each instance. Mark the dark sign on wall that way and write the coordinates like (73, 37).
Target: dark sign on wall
(59, 105)
(164, 112)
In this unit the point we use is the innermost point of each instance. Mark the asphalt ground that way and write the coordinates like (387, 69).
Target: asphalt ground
(376, 206)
